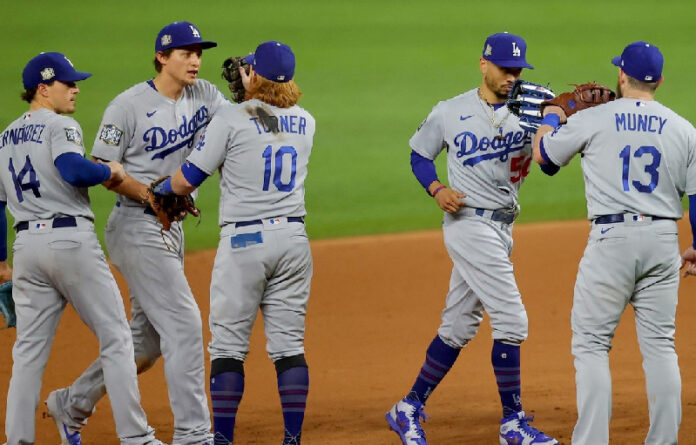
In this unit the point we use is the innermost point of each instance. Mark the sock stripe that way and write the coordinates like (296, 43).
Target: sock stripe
(435, 364)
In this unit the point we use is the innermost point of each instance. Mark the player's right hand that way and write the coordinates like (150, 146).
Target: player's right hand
(450, 200)
(118, 174)
(689, 260)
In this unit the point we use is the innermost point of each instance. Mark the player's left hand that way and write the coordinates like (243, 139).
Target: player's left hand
(450, 200)
(689, 260)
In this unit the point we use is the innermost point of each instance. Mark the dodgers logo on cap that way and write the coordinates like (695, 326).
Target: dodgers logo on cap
(273, 60)
(506, 50)
(47, 67)
(178, 34)
(642, 61)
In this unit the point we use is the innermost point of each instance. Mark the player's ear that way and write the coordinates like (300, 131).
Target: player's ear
(161, 58)
(483, 65)
(42, 89)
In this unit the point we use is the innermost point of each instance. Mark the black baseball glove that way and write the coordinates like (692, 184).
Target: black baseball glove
(230, 72)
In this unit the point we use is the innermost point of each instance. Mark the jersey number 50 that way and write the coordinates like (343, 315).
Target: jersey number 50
(277, 162)
(18, 180)
(651, 168)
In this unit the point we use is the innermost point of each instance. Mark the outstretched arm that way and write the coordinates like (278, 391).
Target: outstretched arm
(689, 256)
(553, 118)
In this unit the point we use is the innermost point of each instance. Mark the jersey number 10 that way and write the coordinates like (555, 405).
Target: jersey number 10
(274, 167)
(651, 168)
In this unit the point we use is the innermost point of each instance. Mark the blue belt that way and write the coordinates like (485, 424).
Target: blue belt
(63, 221)
(298, 219)
(504, 216)
(621, 217)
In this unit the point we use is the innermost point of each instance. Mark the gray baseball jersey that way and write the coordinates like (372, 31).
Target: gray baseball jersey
(637, 156)
(54, 227)
(24, 142)
(638, 159)
(488, 154)
(152, 135)
(488, 158)
(262, 152)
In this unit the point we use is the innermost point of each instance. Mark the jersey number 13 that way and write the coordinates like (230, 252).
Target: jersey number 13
(654, 156)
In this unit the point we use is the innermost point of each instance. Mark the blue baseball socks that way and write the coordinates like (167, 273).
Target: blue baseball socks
(439, 359)
(506, 366)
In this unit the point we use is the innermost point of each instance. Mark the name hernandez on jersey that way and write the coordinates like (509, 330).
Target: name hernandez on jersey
(28, 149)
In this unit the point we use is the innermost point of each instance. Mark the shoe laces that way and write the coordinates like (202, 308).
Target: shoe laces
(418, 414)
(527, 429)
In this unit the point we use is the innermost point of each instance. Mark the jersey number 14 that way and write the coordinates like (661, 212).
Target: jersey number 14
(32, 184)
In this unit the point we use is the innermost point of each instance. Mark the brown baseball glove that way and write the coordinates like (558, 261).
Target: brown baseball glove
(230, 72)
(584, 96)
(169, 207)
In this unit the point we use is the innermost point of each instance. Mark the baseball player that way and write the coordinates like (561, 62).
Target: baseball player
(262, 148)
(151, 128)
(638, 159)
(43, 180)
(488, 158)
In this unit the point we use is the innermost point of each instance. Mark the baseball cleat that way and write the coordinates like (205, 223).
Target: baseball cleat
(404, 420)
(68, 436)
(514, 430)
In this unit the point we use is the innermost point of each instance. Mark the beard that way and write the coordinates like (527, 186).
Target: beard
(496, 89)
(619, 93)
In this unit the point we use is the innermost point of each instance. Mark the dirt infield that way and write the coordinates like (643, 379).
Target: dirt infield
(374, 309)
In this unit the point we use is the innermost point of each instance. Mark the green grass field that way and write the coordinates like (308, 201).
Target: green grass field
(370, 72)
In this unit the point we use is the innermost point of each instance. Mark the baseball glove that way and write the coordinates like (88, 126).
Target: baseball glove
(7, 306)
(584, 96)
(170, 207)
(524, 101)
(230, 72)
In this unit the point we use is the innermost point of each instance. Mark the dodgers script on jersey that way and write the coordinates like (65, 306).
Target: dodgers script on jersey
(277, 140)
(34, 188)
(474, 157)
(152, 134)
(636, 160)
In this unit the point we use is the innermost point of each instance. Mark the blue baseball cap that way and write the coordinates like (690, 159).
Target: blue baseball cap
(506, 50)
(178, 34)
(273, 60)
(641, 60)
(47, 67)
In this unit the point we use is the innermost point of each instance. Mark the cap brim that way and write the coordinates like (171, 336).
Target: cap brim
(616, 61)
(206, 44)
(512, 64)
(75, 77)
(249, 59)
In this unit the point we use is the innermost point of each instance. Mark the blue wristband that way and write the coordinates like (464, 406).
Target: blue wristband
(164, 188)
(552, 119)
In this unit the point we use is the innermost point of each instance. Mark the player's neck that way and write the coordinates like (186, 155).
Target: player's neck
(637, 94)
(488, 96)
(39, 103)
(168, 86)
